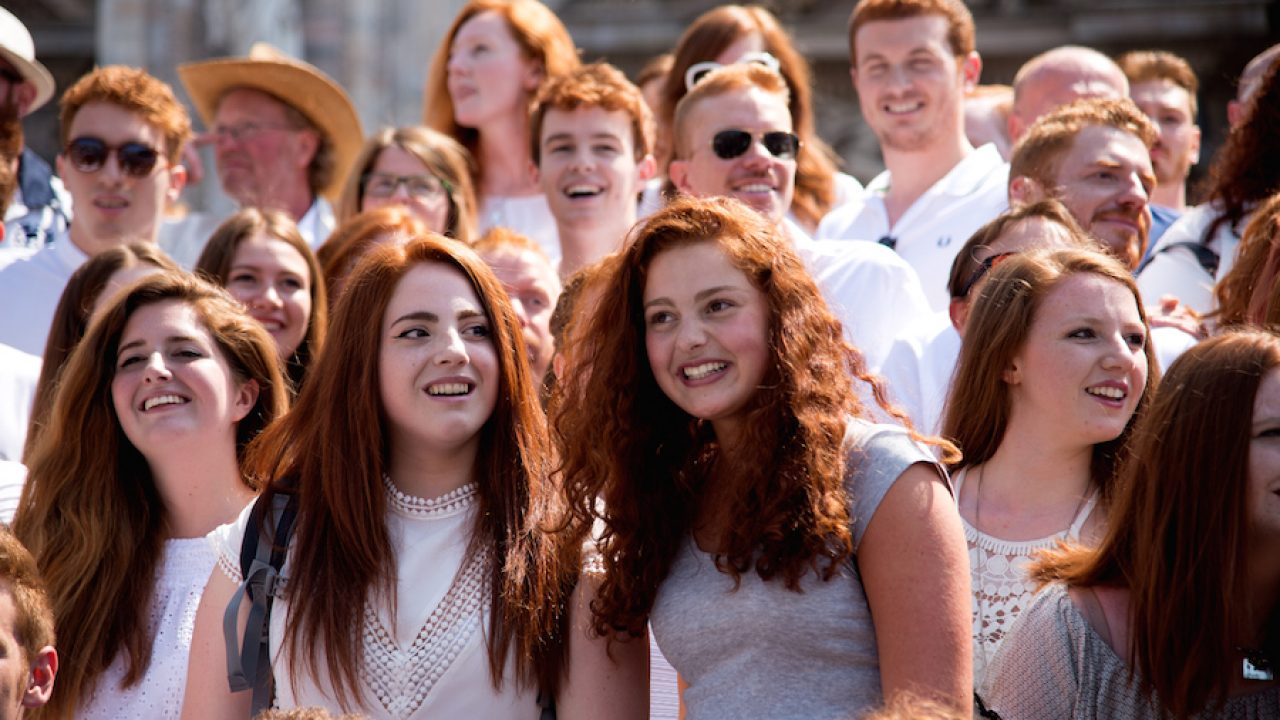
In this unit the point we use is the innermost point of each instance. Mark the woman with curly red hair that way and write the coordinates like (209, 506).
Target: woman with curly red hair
(793, 557)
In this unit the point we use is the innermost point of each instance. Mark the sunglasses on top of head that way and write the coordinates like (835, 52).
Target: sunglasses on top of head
(729, 144)
(89, 155)
(697, 71)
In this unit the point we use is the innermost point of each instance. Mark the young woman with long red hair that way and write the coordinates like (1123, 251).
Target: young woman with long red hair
(1176, 614)
(139, 462)
(1053, 371)
(793, 557)
(419, 581)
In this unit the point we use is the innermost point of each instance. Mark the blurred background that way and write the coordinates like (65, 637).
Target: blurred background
(379, 49)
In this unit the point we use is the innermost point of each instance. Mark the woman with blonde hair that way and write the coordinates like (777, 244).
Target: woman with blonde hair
(494, 59)
(140, 461)
(748, 507)
(261, 259)
(420, 579)
(1176, 614)
(434, 171)
(1054, 370)
(736, 33)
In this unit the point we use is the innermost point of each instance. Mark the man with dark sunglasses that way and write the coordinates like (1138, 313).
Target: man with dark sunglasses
(122, 134)
(733, 137)
(911, 63)
(40, 208)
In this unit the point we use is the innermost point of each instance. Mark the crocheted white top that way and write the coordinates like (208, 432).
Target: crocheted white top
(180, 579)
(1001, 588)
(430, 660)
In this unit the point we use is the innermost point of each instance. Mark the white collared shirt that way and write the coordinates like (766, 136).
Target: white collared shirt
(1176, 271)
(19, 374)
(932, 230)
(30, 288)
(184, 239)
(919, 370)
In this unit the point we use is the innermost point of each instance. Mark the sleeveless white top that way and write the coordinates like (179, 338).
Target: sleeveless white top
(431, 659)
(1001, 588)
(180, 579)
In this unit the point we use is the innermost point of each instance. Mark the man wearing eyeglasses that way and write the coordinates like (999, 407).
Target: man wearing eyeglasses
(284, 134)
(733, 137)
(40, 208)
(911, 64)
(122, 133)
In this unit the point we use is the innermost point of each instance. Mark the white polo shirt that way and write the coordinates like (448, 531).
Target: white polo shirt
(30, 288)
(931, 231)
(19, 374)
(919, 370)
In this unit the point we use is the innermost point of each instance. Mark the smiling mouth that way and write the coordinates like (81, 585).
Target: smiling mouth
(902, 108)
(160, 400)
(1107, 393)
(452, 389)
(697, 372)
(582, 191)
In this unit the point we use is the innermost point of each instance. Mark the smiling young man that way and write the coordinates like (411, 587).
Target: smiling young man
(911, 63)
(122, 134)
(733, 137)
(592, 137)
(1094, 156)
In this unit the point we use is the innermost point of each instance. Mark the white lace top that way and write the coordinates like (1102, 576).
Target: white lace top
(1001, 588)
(430, 660)
(184, 569)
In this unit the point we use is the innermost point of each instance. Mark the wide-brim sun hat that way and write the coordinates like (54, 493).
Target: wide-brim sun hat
(295, 83)
(17, 47)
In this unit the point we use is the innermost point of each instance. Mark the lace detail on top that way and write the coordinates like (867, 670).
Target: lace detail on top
(400, 678)
(1001, 588)
(450, 503)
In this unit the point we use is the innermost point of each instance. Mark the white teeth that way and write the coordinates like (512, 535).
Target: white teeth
(449, 389)
(582, 190)
(755, 188)
(1112, 393)
(902, 107)
(162, 400)
(700, 371)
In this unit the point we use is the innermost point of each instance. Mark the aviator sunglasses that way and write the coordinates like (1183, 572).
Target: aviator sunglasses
(89, 154)
(729, 144)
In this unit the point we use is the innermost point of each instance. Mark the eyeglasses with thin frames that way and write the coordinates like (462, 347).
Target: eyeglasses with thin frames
(421, 187)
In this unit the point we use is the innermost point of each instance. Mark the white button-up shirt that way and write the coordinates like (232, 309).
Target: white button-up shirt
(184, 239)
(19, 373)
(30, 288)
(932, 230)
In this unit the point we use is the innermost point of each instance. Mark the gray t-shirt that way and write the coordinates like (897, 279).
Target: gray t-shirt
(764, 651)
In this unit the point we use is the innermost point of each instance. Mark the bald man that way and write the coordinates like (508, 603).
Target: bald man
(1059, 76)
(1249, 80)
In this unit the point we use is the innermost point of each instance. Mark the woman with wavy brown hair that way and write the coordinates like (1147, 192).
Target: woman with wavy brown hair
(262, 260)
(493, 60)
(1245, 292)
(139, 462)
(434, 170)
(419, 581)
(90, 286)
(793, 557)
(1176, 614)
(1054, 370)
(736, 33)
(1200, 247)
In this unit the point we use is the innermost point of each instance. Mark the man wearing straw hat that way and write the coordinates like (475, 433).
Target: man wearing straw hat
(285, 135)
(40, 209)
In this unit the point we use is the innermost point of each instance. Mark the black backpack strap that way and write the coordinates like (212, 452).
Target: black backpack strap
(1207, 258)
(261, 558)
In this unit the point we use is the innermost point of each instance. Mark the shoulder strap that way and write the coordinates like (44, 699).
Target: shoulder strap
(261, 558)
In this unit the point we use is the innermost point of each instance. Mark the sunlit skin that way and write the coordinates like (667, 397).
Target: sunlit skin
(266, 165)
(1178, 147)
(431, 209)
(273, 281)
(706, 334)
(533, 288)
(113, 208)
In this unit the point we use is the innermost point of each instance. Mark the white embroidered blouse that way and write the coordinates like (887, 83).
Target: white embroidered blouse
(430, 660)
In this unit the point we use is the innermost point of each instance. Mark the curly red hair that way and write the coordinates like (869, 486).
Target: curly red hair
(636, 461)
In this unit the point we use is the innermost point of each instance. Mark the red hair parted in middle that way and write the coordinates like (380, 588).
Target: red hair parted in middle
(635, 460)
(333, 456)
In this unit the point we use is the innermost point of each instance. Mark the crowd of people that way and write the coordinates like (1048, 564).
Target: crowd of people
(587, 398)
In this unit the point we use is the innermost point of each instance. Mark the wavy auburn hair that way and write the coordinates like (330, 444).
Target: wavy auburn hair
(1247, 168)
(71, 318)
(632, 458)
(978, 409)
(219, 255)
(1245, 292)
(349, 242)
(90, 512)
(333, 456)
(1181, 529)
(538, 32)
(714, 32)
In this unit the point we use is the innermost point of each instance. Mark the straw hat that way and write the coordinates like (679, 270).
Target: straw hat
(17, 47)
(295, 83)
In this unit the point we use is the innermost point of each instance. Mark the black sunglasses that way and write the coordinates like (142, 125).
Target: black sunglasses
(89, 154)
(988, 264)
(729, 144)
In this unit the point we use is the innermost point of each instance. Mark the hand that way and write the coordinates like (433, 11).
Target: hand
(1172, 313)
